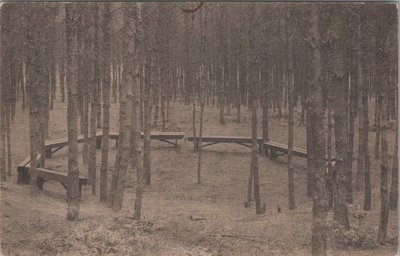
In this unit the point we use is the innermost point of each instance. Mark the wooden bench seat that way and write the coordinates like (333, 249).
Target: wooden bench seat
(155, 135)
(212, 140)
(44, 175)
(274, 149)
(58, 144)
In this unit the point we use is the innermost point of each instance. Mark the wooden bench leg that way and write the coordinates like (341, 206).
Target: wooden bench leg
(98, 143)
(48, 153)
(273, 154)
(40, 182)
(80, 191)
(23, 175)
(116, 143)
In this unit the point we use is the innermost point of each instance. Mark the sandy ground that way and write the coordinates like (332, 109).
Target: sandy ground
(174, 200)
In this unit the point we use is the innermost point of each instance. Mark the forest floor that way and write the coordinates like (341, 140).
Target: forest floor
(181, 217)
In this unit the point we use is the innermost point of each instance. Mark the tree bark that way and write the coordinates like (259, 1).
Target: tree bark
(106, 26)
(93, 102)
(290, 97)
(147, 124)
(253, 80)
(137, 113)
(72, 119)
(394, 192)
(126, 104)
(317, 132)
(384, 211)
(339, 79)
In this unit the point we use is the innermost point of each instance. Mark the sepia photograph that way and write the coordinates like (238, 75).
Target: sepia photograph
(199, 128)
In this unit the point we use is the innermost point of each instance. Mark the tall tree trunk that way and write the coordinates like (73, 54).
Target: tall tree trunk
(352, 104)
(330, 176)
(202, 103)
(394, 192)
(290, 98)
(253, 80)
(8, 138)
(85, 123)
(126, 105)
(3, 176)
(384, 213)
(71, 19)
(310, 154)
(62, 79)
(32, 85)
(339, 79)
(361, 84)
(378, 110)
(138, 112)
(366, 82)
(147, 123)
(202, 89)
(93, 102)
(367, 179)
(238, 96)
(106, 26)
(360, 152)
(320, 205)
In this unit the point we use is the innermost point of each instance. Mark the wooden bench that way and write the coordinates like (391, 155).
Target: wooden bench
(274, 149)
(44, 175)
(52, 146)
(212, 140)
(167, 137)
(278, 149)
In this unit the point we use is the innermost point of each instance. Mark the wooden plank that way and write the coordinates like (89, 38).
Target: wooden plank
(225, 139)
(164, 135)
(27, 161)
(64, 141)
(52, 175)
(24, 162)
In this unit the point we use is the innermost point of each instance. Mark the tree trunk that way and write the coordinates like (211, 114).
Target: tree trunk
(195, 142)
(147, 125)
(384, 213)
(8, 138)
(202, 103)
(85, 124)
(106, 26)
(32, 85)
(290, 90)
(330, 176)
(71, 10)
(93, 102)
(238, 96)
(126, 106)
(367, 179)
(253, 83)
(62, 80)
(365, 83)
(394, 192)
(138, 112)
(202, 89)
(317, 133)
(336, 57)
(352, 105)
(378, 110)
